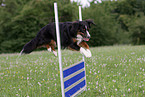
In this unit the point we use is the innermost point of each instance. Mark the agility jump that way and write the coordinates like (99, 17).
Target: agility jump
(73, 78)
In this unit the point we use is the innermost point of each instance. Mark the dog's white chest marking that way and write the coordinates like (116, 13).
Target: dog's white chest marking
(79, 39)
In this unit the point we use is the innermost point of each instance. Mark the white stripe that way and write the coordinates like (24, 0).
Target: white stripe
(88, 34)
(73, 85)
(74, 74)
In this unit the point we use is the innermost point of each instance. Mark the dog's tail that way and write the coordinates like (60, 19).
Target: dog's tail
(29, 47)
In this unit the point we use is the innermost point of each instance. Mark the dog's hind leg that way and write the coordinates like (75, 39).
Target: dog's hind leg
(53, 45)
(53, 50)
(48, 48)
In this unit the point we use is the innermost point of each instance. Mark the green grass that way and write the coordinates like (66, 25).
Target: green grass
(115, 71)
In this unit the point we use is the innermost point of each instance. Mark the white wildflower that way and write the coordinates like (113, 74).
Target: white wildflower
(97, 83)
(104, 87)
(114, 80)
(95, 73)
(39, 83)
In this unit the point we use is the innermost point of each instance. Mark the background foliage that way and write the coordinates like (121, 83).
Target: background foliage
(118, 22)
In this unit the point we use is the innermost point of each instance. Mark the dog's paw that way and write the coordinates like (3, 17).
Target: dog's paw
(87, 52)
(55, 53)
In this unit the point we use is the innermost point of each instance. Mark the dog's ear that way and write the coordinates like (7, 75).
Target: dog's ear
(89, 21)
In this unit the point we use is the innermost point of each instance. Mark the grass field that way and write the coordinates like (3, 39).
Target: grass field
(113, 71)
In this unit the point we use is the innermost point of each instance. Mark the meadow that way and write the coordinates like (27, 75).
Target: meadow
(112, 71)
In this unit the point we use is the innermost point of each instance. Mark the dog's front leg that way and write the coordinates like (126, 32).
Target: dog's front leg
(74, 46)
(87, 51)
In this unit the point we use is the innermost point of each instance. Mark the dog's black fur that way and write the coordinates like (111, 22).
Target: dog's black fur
(68, 31)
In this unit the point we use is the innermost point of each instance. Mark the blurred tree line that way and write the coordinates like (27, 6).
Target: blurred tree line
(117, 22)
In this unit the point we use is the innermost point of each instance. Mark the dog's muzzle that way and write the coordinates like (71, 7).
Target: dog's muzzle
(86, 39)
(88, 36)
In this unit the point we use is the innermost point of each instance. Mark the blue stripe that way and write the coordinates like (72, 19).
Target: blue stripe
(73, 69)
(75, 89)
(73, 79)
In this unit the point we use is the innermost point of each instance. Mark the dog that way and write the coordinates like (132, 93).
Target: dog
(72, 34)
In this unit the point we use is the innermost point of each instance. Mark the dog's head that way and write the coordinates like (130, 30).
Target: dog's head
(82, 28)
(84, 32)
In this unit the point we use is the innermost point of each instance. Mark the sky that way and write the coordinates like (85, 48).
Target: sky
(85, 2)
